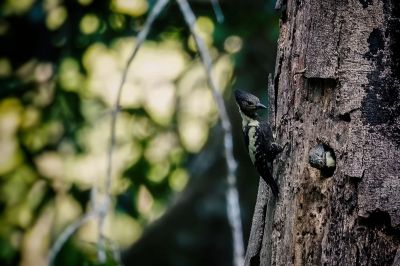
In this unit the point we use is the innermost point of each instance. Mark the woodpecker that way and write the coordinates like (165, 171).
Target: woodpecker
(258, 137)
(323, 158)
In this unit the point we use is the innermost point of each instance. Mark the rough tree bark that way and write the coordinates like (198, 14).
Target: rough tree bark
(346, 98)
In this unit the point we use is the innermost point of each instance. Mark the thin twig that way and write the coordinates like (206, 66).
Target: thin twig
(139, 41)
(159, 6)
(217, 10)
(116, 252)
(233, 208)
(66, 234)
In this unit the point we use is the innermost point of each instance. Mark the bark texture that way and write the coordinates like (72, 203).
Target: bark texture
(346, 98)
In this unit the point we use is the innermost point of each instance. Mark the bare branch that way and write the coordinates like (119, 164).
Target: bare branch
(217, 11)
(232, 197)
(66, 234)
(139, 41)
(159, 6)
(115, 252)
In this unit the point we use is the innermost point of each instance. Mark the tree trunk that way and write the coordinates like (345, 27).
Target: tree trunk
(346, 99)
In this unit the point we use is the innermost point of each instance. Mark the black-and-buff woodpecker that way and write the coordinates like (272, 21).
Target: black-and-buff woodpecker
(258, 137)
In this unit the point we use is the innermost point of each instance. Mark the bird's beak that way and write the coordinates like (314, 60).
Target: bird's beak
(261, 106)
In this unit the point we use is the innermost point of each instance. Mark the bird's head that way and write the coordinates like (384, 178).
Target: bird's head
(248, 103)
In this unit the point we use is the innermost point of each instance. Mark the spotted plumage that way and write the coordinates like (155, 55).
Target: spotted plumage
(258, 137)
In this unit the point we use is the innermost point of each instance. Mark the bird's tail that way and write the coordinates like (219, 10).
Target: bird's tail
(272, 184)
(274, 188)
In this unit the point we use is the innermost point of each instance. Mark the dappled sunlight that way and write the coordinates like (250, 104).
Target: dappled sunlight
(155, 62)
(51, 165)
(120, 227)
(70, 77)
(131, 96)
(123, 229)
(160, 147)
(117, 21)
(223, 71)
(233, 44)
(161, 83)
(10, 156)
(130, 7)
(199, 103)
(205, 29)
(94, 137)
(5, 67)
(178, 179)
(56, 17)
(36, 193)
(89, 24)
(10, 119)
(159, 172)
(67, 209)
(30, 117)
(55, 124)
(193, 133)
(20, 215)
(143, 128)
(145, 200)
(86, 170)
(17, 7)
(85, 2)
(38, 137)
(91, 169)
(16, 185)
(160, 102)
(36, 240)
(43, 72)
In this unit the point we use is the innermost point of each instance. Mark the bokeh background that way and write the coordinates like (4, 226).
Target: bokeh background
(60, 65)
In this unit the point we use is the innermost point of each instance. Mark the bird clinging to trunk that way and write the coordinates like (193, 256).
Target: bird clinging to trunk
(258, 137)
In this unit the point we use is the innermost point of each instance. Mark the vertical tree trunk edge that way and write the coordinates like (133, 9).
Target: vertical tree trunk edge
(337, 84)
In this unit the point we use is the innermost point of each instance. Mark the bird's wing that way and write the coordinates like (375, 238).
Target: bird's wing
(263, 156)
(266, 136)
(272, 148)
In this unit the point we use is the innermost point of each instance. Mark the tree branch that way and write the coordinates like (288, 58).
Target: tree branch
(66, 234)
(217, 10)
(233, 209)
(159, 6)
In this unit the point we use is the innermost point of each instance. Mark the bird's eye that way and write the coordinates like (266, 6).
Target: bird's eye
(249, 103)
